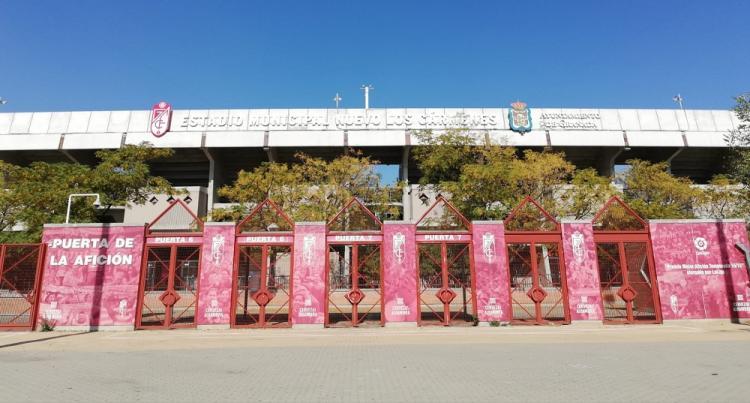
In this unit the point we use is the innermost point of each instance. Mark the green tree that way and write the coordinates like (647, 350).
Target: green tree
(739, 142)
(124, 175)
(486, 180)
(586, 194)
(38, 194)
(310, 189)
(653, 192)
(724, 197)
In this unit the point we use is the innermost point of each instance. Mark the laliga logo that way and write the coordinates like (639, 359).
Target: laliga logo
(701, 244)
(161, 117)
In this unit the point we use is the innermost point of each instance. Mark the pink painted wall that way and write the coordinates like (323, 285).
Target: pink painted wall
(701, 274)
(215, 282)
(582, 271)
(88, 283)
(399, 272)
(491, 271)
(309, 274)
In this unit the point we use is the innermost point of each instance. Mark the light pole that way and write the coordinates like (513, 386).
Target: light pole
(337, 99)
(97, 202)
(367, 89)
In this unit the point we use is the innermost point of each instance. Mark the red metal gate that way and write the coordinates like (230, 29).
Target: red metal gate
(354, 268)
(168, 295)
(538, 290)
(446, 267)
(20, 275)
(263, 269)
(626, 265)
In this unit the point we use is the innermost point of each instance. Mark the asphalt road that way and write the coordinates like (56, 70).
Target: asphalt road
(642, 363)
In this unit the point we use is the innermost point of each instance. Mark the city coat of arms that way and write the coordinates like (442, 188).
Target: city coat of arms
(519, 117)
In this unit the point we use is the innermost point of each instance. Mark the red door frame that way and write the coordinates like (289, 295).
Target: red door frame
(532, 238)
(36, 290)
(620, 238)
(172, 266)
(354, 320)
(262, 320)
(447, 320)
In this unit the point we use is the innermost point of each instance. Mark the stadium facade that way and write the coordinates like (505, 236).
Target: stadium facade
(434, 267)
(213, 145)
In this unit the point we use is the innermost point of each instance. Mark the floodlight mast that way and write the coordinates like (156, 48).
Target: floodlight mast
(366, 89)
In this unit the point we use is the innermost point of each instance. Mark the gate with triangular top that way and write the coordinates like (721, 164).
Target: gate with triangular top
(626, 265)
(538, 289)
(168, 294)
(446, 267)
(354, 268)
(261, 292)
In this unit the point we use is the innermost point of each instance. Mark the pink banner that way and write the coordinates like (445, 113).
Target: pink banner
(308, 283)
(701, 273)
(399, 272)
(582, 271)
(91, 275)
(491, 272)
(215, 283)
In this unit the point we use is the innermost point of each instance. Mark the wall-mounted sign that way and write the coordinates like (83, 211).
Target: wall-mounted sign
(519, 117)
(570, 120)
(161, 117)
(352, 120)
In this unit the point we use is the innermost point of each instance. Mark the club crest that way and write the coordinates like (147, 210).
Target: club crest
(577, 241)
(161, 117)
(399, 241)
(519, 117)
(488, 246)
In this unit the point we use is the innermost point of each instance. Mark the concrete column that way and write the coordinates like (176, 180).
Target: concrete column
(404, 177)
(400, 294)
(491, 272)
(214, 179)
(309, 275)
(606, 163)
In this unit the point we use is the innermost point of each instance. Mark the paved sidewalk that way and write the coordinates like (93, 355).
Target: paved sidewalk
(698, 361)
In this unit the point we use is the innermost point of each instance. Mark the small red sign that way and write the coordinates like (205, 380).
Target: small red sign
(161, 117)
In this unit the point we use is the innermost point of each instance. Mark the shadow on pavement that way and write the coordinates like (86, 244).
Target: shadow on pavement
(19, 343)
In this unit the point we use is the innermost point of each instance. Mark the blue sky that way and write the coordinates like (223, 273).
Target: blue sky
(81, 55)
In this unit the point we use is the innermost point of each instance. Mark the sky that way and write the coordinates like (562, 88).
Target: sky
(100, 55)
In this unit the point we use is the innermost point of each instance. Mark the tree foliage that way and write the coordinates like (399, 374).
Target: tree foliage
(38, 194)
(487, 180)
(653, 192)
(739, 141)
(310, 189)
